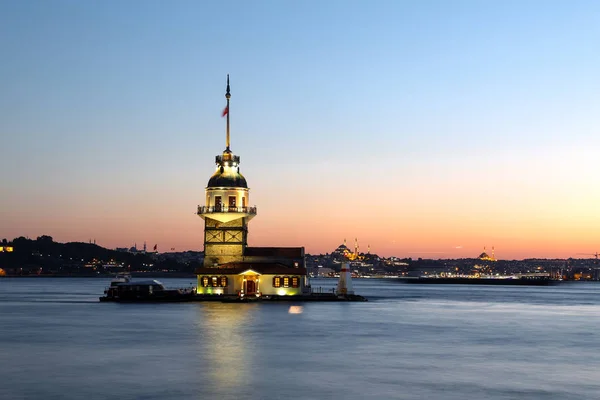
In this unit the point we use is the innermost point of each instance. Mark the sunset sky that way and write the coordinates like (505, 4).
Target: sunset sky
(423, 128)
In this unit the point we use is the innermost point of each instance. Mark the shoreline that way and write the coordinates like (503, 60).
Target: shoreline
(133, 275)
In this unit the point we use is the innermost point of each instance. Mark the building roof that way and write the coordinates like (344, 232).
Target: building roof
(234, 268)
(227, 177)
(140, 283)
(283, 252)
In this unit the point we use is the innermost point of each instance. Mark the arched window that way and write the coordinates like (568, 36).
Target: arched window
(223, 281)
(295, 281)
(276, 281)
(205, 281)
(215, 281)
(286, 281)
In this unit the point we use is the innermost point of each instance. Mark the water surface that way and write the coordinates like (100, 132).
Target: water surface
(408, 342)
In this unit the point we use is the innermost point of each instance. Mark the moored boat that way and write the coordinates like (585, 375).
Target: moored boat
(123, 289)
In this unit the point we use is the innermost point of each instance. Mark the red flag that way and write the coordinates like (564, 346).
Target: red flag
(155, 247)
(225, 111)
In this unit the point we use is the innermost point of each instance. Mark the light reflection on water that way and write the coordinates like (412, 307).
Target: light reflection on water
(296, 310)
(223, 345)
(407, 342)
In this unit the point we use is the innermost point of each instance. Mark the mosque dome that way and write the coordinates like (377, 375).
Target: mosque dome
(227, 177)
(342, 247)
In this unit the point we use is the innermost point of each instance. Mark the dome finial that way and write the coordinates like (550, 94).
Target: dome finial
(227, 94)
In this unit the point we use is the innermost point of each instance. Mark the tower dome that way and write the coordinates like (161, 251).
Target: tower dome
(227, 173)
(227, 179)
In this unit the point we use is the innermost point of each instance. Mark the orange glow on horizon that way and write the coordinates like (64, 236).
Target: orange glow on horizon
(401, 236)
(446, 213)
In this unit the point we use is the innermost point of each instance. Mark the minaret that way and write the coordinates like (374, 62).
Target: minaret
(226, 213)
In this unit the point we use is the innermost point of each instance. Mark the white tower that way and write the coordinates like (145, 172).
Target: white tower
(344, 285)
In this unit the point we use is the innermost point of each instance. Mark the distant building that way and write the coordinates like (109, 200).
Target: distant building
(344, 253)
(132, 249)
(485, 257)
(324, 271)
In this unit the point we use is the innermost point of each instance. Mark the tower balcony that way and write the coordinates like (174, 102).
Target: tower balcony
(226, 213)
(227, 158)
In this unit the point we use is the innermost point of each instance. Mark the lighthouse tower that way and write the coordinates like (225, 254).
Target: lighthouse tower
(226, 212)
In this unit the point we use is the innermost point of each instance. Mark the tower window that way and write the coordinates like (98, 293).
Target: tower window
(244, 202)
(215, 281)
(295, 281)
(277, 281)
(231, 201)
(205, 281)
(224, 281)
(286, 281)
(218, 202)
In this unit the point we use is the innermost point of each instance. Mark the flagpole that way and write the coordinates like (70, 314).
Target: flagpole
(227, 96)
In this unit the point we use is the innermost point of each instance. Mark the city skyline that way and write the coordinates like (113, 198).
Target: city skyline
(424, 129)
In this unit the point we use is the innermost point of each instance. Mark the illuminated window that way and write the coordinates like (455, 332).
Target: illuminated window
(223, 281)
(295, 281)
(244, 202)
(215, 281)
(217, 202)
(205, 281)
(277, 281)
(286, 281)
(231, 201)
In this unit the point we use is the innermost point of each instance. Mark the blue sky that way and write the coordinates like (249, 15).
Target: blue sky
(113, 108)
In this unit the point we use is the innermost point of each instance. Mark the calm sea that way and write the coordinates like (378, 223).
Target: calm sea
(408, 342)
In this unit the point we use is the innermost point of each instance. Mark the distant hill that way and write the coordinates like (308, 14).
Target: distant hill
(44, 256)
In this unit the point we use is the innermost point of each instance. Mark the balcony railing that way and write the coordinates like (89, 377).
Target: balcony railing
(230, 158)
(226, 209)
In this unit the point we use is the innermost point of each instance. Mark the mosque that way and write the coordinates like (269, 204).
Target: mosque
(485, 257)
(231, 267)
(342, 251)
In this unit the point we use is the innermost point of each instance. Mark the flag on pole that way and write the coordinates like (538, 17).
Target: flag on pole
(155, 247)
(225, 111)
